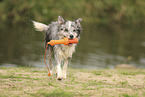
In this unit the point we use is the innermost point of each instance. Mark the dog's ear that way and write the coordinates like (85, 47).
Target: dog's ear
(40, 26)
(60, 20)
(78, 20)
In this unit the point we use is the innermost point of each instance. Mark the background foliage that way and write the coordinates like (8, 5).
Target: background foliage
(98, 11)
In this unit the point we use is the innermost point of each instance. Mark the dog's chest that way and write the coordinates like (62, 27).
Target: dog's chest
(65, 51)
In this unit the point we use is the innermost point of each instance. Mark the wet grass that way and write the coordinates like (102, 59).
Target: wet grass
(33, 82)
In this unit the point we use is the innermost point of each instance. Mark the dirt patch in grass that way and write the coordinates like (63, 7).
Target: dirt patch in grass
(32, 82)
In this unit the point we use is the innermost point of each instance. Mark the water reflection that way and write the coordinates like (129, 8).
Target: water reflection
(105, 47)
(99, 47)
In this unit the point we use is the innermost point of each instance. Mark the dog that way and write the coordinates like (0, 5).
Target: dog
(60, 54)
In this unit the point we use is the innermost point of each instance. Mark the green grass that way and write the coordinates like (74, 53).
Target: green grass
(30, 82)
(132, 73)
(128, 95)
(123, 83)
(54, 93)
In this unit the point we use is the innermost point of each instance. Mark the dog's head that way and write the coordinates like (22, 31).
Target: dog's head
(70, 29)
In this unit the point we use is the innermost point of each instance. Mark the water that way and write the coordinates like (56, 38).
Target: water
(99, 47)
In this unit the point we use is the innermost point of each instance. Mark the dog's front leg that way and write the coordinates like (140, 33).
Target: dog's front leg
(65, 68)
(59, 71)
(50, 59)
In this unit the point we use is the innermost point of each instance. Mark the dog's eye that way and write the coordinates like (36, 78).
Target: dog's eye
(66, 30)
(61, 29)
(74, 30)
(78, 31)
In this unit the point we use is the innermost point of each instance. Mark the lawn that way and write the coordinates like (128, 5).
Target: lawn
(34, 82)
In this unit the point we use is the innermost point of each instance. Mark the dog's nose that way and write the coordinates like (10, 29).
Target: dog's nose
(71, 36)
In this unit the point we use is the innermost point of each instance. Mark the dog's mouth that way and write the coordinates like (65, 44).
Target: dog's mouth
(70, 44)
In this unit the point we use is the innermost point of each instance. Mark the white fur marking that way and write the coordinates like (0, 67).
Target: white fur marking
(69, 24)
(40, 26)
(59, 72)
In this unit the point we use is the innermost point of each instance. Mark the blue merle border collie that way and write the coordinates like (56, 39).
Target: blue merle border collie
(60, 54)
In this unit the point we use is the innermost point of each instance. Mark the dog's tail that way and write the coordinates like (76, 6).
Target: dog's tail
(40, 26)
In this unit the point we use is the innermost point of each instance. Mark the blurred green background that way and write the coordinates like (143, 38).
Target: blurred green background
(113, 31)
(98, 11)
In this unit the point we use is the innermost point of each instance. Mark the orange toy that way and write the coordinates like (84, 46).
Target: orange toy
(64, 41)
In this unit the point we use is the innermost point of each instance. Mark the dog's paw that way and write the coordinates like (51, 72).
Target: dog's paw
(59, 78)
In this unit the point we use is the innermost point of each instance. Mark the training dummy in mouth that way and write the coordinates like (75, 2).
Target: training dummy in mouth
(64, 41)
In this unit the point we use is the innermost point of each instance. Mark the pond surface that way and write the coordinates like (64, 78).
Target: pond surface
(99, 47)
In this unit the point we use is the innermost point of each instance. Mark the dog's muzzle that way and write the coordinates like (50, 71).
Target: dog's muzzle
(71, 36)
